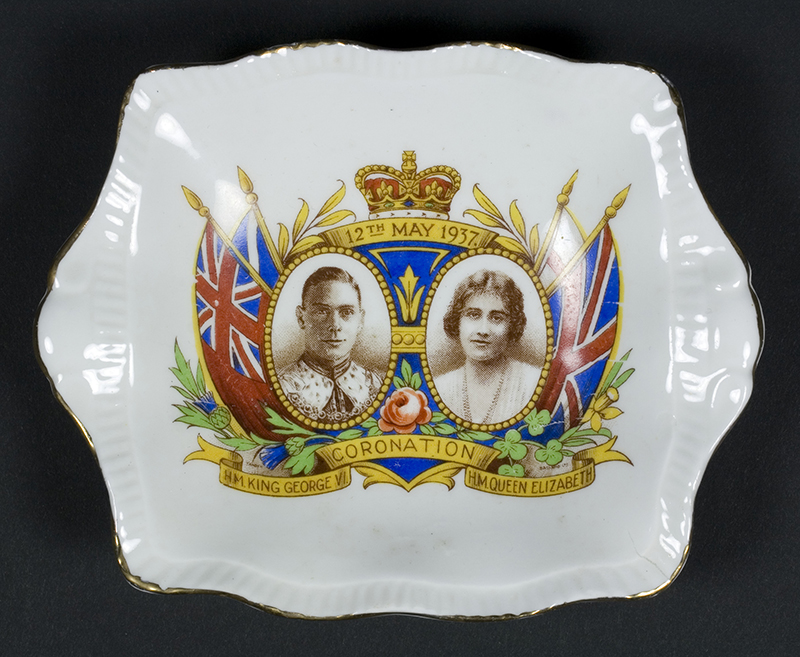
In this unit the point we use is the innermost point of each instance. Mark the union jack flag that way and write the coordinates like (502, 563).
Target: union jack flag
(231, 313)
(584, 307)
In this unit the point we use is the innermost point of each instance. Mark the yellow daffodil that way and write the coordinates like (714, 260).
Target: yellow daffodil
(601, 409)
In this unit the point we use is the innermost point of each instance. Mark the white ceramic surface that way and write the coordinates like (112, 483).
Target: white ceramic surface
(297, 121)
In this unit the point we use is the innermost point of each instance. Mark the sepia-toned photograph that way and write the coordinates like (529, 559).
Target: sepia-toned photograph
(330, 355)
(486, 339)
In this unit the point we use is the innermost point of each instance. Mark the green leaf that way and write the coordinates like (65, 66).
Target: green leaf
(576, 442)
(481, 435)
(549, 456)
(623, 378)
(554, 458)
(263, 441)
(613, 372)
(513, 436)
(183, 372)
(537, 421)
(552, 453)
(283, 426)
(187, 381)
(567, 434)
(517, 451)
(239, 442)
(374, 431)
(533, 443)
(350, 434)
(567, 452)
(503, 447)
(444, 429)
(398, 382)
(515, 470)
(416, 381)
(304, 461)
(194, 417)
(369, 423)
(427, 429)
(405, 370)
(183, 392)
(201, 382)
(437, 417)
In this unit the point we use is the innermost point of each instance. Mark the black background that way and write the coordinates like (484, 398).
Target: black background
(64, 70)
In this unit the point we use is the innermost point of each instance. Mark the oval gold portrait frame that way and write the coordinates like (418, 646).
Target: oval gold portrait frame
(270, 364)
(548, 316)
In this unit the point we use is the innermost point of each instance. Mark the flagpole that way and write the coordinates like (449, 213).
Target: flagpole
(196, 204)
(246, 186)
(562, 199)
(610, 213)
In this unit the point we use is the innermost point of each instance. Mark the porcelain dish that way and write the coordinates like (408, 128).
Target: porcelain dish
(448, 332)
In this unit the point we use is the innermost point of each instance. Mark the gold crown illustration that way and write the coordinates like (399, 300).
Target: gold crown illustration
(406, 193)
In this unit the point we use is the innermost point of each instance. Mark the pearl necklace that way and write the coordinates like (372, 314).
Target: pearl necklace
(468, 411)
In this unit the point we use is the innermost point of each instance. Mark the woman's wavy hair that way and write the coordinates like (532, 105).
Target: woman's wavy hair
(487, 282)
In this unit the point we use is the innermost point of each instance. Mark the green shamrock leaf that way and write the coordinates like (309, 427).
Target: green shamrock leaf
(537, 421)
(510, 445)
(550, 453)
(515, 470)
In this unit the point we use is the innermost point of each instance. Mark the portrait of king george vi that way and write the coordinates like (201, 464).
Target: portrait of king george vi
(326, 382)
(490, 356)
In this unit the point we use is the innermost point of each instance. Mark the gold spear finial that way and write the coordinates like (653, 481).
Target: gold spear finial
(246, 186)
(610, 213)
(562, 199)
(566, 190)
(194, 201)
(616, 204)
(197, 204)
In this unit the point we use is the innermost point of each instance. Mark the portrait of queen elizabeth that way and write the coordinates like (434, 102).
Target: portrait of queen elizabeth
(486, 319)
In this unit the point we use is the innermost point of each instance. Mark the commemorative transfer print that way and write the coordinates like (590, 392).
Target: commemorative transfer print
(404, 344)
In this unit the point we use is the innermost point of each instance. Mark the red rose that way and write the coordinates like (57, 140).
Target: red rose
(404, 410)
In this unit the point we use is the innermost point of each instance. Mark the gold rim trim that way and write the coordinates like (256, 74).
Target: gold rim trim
(272, 373)
(155, 588)
(139, 583)
(525, 265)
